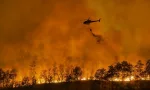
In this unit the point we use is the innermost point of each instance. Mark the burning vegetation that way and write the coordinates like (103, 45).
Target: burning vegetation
(120, 71)
(51, 34)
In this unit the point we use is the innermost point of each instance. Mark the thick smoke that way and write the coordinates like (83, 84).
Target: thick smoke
(47, 31)
(125, 23)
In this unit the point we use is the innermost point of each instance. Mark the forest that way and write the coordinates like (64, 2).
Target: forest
(118, 72)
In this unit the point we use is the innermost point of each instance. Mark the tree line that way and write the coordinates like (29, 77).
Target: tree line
(60, 73)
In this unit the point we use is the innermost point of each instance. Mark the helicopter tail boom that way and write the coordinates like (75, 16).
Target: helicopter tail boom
(99, 20)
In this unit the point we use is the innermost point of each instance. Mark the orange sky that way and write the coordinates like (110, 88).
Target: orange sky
(52, 31)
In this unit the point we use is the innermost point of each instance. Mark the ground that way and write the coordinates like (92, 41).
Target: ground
(90, 85)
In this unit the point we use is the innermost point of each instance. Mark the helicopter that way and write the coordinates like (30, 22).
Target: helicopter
(87, 22)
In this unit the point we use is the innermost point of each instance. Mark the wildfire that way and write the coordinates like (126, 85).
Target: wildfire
(126, 79)
(148, 77)
(83, 79)
(40, 81)
(56, 81)
(59, 75)
(117, 79)
(129, 78)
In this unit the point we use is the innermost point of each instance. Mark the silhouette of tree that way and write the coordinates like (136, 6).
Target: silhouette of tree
(143, 75)
(139, 70)
(55, 71)
(77, 72)
(111, 73)
(68, 70)
(62, 71)
(17, 84)
(33, 80)
(68, 73)
(91, 78)
(33, 72)
(13, 75)
(69, 78)
(118, 68)
(44, 75)
(127, 69)
(49, 77)
(100, 73)
(123, 69)
(2, 76)
(7, 78)
(147, 69)
(25, 81)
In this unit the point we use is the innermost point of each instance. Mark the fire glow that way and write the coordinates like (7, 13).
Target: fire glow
(131, 78)
(121, 71)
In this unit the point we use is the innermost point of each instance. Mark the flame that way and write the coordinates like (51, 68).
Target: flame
(56, 81)
(117, 79)
(126, 79)
(83, 79)
(142, 78)
(40, 81)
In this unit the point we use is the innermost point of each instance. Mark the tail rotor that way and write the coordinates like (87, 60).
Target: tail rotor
(99, 20)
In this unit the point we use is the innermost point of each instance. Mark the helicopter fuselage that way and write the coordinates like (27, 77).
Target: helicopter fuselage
(90, 21)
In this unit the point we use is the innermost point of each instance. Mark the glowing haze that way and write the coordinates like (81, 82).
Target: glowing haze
(51, 31)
